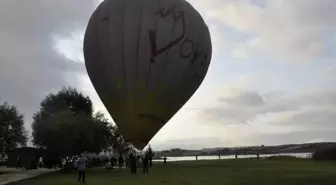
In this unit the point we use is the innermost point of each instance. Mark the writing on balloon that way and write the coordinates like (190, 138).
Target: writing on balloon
(187, 46)
(177, 16)
(188, 49)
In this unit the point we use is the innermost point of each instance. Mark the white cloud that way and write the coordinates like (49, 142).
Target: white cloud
(239, 54)
(244, 98)
(331, 69)
(215, 38)
(284, 28)
(240, 14)
(250, 114)
(30, 68)
(71, 46)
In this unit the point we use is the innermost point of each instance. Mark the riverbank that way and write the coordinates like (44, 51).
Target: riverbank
(214, 157)
(215, 172)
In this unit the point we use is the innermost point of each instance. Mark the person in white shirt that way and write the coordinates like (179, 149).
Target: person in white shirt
(80, 164)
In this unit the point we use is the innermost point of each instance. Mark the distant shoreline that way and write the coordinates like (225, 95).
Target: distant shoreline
(162, 157)
(249, 150)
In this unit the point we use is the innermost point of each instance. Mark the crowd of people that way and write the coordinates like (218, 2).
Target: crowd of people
(145, 158)
(131, 161)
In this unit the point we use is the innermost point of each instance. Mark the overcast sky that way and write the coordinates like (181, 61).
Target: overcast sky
(271, 79)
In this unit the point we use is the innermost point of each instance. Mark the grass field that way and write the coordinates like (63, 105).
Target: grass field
(223, 172)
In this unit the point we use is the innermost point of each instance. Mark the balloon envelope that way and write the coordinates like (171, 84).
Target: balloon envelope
(146, 58)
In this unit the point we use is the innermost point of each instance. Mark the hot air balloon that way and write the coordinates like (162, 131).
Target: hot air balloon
(145, 59)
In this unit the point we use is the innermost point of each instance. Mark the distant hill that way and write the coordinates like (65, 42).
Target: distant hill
(245, 150)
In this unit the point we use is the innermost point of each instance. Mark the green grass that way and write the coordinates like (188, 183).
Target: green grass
(221, 172)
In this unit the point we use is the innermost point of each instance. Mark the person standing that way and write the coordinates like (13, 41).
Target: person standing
(80, 163)
(18, 162)
(127, 162)
(40, 162)
(133, 164)
(150, 152)
(112, 161)
(145, 161)
(121, 161)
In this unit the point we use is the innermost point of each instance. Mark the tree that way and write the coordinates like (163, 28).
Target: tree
(63, 133)
(67, 98)
(65, 125)
(12, 130)
(112, 134)
(104, 132)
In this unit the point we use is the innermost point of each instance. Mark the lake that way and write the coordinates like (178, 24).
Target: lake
(192, 158)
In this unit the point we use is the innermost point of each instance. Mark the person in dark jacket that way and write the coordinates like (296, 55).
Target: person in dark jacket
(18, 162)
(112, 161)
(121, 161)
(145, 161)
(150, 155)
(127, 162)
(133, 163)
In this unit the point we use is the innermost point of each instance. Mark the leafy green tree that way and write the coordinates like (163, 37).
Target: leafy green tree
(12, 130)
(65, 134)
(112, 134)
(67, 98)
(65, 125)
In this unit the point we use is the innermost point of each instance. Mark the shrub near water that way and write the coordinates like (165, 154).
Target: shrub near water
(325, 154)
(284, 157)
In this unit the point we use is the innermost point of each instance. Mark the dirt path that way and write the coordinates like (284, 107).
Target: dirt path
(16, 175)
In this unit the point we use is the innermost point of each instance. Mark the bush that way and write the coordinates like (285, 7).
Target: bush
(96, 162)
(69, 167)
(283, 157)
(325, 154)
(3, 163)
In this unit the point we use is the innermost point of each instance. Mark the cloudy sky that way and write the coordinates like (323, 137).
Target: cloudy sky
(271, 80)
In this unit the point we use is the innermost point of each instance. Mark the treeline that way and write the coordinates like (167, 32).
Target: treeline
(251, 150)
(65, 124)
